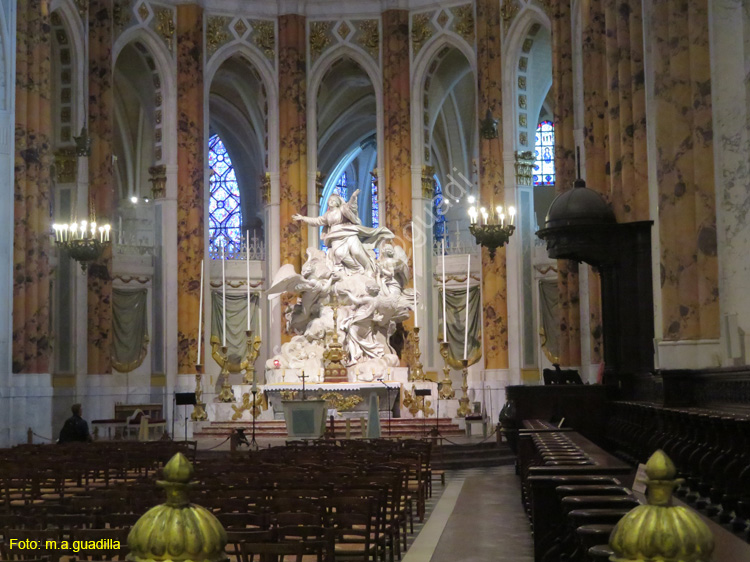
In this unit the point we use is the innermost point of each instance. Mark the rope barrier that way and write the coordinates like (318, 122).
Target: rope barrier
(215, 446)
(42, 437)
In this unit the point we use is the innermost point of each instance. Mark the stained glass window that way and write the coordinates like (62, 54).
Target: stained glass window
(438, 230)
(340, 187)
(544, 154)
(225, 216)
(375, 203)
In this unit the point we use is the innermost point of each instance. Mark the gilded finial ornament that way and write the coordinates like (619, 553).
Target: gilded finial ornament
(165, 26)
(320, 37)
(464, 22)
(369, 37)
(177, 530)
(421, 31)
(264, 37)
(216, 33)
(659, 530)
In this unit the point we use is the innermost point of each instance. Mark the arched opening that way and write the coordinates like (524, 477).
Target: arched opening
(238, 148)
(450, 140)
(347, 146)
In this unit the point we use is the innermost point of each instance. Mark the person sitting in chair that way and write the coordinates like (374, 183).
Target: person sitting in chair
(75, 427)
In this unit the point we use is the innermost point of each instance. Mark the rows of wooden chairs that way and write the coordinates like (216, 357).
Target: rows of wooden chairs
(344, 500)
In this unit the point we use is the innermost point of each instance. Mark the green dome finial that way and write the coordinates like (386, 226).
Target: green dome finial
(660, 531)
(177, 530)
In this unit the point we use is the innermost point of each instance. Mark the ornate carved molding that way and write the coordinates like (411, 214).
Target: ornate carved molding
(421, 31)
(508, 11)
(265, 187)
(165, 26)
(464, 23)
(369, 37)
(158, 180)
(428, 182)
(264, 37)
(217, 33)
(66, 165)
(524, 167)
(320, 37)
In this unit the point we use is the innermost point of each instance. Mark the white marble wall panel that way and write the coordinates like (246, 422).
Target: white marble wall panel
(730, 63)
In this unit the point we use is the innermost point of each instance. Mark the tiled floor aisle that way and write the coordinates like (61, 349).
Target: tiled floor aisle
(479, 518)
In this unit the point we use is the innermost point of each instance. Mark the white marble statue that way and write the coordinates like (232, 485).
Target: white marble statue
(370, 292)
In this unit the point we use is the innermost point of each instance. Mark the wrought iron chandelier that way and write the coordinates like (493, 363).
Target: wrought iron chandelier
(490, 228)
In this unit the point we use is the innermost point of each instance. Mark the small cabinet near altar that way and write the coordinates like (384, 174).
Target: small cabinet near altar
(305, 419)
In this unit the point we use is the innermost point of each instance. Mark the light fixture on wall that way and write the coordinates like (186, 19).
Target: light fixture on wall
(488, 126)
(490, 228)
(84, 241)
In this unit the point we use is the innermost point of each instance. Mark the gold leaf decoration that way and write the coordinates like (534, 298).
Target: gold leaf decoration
(421, 31)
(369, 37)
(464, 25)
(264, 37)
(66, 165)
(217, 33)
(320, 37)
(340, 402)
(165, 27)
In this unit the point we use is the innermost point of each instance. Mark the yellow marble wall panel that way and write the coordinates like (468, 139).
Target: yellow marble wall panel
(190, 180)
(685, 170)
(33, 131)
(101, 181)
(293, 143)
(565, 172)
(491, 181)
(397, 138)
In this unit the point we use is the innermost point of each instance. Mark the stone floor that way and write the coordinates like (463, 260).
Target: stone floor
(478, 518)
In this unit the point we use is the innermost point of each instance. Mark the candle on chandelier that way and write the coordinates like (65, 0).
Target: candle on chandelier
(247, 261)
(223, 297)
(106, 233)
(200, 317)
(512, 213)
(260, 311)
(445, 323)
(466, 323)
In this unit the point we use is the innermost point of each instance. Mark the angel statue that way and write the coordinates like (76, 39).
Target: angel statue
(350, 244)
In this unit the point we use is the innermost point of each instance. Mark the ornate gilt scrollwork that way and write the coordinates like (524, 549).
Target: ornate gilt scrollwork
(340, 402)
(253, 406)
(265, 187)
(217, 33)
(421, 31)
(320, 37)
(66, 165)
(524, 167)
(165, 27)
(264, 37)
(158, 180)
(369, 37)
(464, 25)
(428, 182)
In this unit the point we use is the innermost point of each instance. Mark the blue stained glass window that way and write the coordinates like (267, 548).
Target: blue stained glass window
(544, 154)
(375, 204)
(340, 187)
(225, 215)
(438, 229)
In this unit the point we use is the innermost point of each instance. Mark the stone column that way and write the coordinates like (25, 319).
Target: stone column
(615, 121)
(292, 145)
(191, 148)
(33, 131)
(293, 137)
(564, 119)
(491, 176)
(685, 174)
(101, 181)
(397, 133)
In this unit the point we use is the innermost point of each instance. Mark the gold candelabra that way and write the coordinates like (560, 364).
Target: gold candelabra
(251, 355)
(335, 371)
(199, 411)
(446, 388)
(226, 394)
(417, 374)
(463, 402)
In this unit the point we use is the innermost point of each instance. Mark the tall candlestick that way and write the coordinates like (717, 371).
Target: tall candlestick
(223, 297)
(247, 261)
(200, 319)
(414, 272)
(466, 327)
(445, 323)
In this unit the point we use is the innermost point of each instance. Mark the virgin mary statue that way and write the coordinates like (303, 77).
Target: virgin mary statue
(350, 244)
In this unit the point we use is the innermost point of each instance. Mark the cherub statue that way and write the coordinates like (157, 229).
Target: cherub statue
(360, 326)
